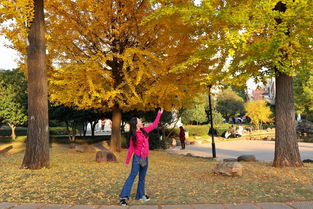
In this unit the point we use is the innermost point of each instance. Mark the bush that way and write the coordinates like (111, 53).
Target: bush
(197, 130)
(124, 140)
(156, 141)
(18, 132)
(58, 131)
(78, 139)
(56, 123)
(202, 130)
(217, 118)
(221, 128)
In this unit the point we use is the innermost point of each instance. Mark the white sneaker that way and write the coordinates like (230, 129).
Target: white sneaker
(145, 198)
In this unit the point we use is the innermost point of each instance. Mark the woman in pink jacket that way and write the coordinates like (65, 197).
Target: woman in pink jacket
(139, 146)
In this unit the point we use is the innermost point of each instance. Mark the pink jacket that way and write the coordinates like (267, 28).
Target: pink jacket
(142, 147)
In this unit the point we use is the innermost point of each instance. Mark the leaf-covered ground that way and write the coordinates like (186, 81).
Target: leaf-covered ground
(76, 178)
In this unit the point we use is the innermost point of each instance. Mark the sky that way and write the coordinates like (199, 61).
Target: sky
(7, 55)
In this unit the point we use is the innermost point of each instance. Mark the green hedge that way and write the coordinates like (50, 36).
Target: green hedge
(202, 130)
(221, 128)
(58, 131)
(18, 132)
(78, 139)
(197, 130)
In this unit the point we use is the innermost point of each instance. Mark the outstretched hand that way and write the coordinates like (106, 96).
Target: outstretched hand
(161, 110)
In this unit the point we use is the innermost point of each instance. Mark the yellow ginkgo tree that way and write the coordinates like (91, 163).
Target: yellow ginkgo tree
(106, 57)
(101, 54)
(259, 112)
(259, 39)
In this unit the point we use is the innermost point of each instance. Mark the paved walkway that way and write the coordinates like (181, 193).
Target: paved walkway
(288, 205)
(263, 150)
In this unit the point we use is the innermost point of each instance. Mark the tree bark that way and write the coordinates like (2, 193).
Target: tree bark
(13, 135)
(286, 146)
(116, 129)
(93, 127)
(37, 145)
(84, 128)
(73, 131)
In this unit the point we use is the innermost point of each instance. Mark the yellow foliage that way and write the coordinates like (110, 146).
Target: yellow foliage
(106, 57)
(259, 112)
(100, 54)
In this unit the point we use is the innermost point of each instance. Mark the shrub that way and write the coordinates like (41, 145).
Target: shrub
(202, 130)
(78, 139)
(221, 128)
(197, 130)
(154, 139)
(124, 140)
(58, 131)
(217, 118)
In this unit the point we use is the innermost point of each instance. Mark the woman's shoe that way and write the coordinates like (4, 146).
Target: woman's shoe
(123, 201)
(145, 198)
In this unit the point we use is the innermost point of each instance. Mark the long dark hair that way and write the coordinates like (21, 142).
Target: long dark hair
(133, 129)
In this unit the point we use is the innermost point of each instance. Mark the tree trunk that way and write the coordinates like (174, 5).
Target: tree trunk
(286, 145)
(68, 130)
(73, 131)
(13, 135)
(84, 128)
(116, 129)
(37, 145)
(93, 126)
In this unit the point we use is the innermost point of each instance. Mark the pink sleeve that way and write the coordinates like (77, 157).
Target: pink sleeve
(154, 124)
(130, 151)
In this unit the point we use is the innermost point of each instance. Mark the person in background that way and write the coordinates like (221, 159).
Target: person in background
(227, 134)
(239, 131)
(182, 137)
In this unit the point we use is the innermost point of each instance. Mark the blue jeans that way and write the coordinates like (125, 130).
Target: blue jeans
(136, 168)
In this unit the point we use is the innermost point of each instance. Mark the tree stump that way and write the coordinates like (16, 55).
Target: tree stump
(105, 156)
(5, 150)
(72, 145)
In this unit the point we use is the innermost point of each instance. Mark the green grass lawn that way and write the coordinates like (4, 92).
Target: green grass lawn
(76, 178)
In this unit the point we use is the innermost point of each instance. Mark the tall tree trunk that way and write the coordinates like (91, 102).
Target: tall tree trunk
(286, 146)
(84, 128)
(93, 127)
(73, 131)
(116, 129)
(37, 145)
(13, 135)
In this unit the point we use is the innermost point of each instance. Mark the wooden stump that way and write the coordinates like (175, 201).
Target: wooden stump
(105, 156)
(5, 150)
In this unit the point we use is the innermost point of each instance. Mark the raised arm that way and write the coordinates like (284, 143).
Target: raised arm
(155, 123)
